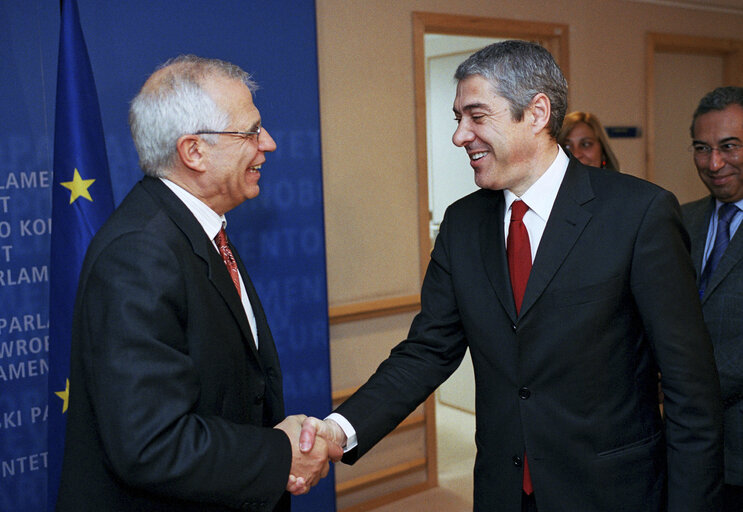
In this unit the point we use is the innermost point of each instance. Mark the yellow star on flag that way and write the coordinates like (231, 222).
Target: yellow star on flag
(79, 187)
(64, 395)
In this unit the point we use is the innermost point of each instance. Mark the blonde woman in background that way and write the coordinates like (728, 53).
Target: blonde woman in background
(583, 135)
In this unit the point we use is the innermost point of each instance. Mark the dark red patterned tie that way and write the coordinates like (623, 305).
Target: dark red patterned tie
(229, 259)
(518, 250)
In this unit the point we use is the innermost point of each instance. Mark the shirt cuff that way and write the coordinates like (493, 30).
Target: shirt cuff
(347, 429)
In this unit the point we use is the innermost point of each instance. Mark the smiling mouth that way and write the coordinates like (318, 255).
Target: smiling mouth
(255, 168)
(477, 156)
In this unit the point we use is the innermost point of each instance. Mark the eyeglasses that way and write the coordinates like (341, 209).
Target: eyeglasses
(728, 150)
(242, 134)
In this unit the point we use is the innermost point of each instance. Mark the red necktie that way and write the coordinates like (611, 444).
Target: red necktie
(518, 250)
(229, 259)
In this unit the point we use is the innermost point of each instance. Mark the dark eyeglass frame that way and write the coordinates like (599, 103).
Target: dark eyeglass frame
(728, 149)
(244, 134)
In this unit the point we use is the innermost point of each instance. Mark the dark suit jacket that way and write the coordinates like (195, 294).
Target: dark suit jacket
(572, 380)
(722, 305)
(169, 399)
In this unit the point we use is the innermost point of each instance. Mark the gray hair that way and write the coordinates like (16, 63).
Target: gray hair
(518, 71)
(719, 99)
(177, 104)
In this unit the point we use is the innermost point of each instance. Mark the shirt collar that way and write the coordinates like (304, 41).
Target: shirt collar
(542, 194)
(210, 221)
(719, 203)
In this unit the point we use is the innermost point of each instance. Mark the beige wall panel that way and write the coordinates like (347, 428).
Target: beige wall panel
(368, 160)
(392, 450)
(357, 348)
(680, 82)
(374, 492)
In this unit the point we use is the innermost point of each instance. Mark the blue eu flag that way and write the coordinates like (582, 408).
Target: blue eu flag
(82, 200)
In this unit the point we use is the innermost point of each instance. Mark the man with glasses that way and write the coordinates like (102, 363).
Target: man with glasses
(717, 250)
(175, 387)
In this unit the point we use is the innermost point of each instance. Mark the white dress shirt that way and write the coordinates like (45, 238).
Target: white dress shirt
(212, 222)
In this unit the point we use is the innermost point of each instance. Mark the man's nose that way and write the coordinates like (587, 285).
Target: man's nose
(266, 142)
(716, 160)
(462, 135)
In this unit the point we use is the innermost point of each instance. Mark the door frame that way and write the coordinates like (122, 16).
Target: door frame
(731, 51)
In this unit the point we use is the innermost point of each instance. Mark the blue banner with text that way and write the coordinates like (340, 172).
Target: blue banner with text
(279, 235)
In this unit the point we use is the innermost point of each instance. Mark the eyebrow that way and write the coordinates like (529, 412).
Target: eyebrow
(721, 141)
(473, 106)
(255, 126)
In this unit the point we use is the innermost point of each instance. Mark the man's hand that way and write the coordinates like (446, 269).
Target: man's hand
(308, 466)
(327, 429)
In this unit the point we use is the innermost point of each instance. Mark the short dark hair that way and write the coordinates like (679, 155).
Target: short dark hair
(518, 71)
(719, 99)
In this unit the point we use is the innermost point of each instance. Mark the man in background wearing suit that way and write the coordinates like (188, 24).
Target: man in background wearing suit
(571, 286)
(717, 252)
(176, 397)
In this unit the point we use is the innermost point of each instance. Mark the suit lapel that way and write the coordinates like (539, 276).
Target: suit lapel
(732, 255)
(698, 227)
(264, 334)
(267, 353)
(217, 272)
(219, 275)
(566, 222)
(493, 251)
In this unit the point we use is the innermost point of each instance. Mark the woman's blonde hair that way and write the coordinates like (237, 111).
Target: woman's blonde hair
(609, 160)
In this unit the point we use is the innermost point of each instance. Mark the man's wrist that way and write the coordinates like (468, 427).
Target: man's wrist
(348, 431)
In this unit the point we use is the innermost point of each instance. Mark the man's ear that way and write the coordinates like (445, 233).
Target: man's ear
(190, 150)
(540, 109)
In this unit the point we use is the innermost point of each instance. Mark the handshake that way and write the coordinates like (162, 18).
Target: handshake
(314, 443)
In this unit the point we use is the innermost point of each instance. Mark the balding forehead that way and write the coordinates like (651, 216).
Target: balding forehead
(176, 72)
(155, 81)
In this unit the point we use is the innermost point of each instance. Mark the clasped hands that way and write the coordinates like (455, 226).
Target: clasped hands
(314, 443)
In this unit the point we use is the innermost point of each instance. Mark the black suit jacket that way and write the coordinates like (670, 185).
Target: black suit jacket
(722, 305)
(572, 380)
(170, 402)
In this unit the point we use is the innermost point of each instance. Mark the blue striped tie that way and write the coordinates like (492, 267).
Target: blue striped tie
(725, 214)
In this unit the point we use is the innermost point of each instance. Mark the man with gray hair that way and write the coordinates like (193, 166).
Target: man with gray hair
(175, 389)
(717, 252)
(571, 286)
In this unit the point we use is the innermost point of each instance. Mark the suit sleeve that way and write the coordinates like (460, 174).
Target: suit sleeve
(664, 288)
(416, 367)
(144, 387)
